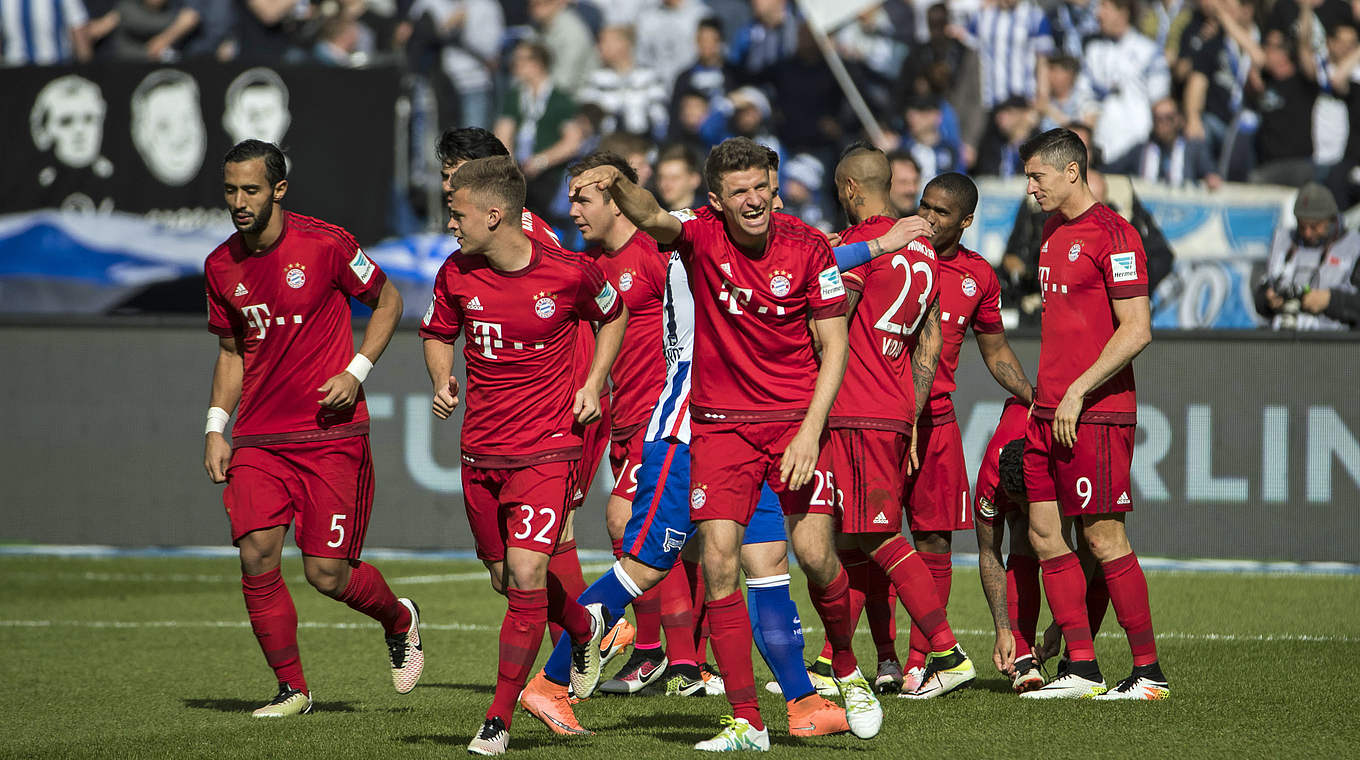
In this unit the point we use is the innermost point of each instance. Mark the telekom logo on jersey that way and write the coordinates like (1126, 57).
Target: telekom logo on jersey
(257, 316)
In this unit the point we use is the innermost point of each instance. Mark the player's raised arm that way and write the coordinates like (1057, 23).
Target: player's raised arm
(902, 232)
(635, 202)
(228, 374)
(1133, 334)
(1004, 365)
(800, 457)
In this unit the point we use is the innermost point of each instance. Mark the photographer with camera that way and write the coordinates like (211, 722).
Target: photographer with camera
(1312, 280)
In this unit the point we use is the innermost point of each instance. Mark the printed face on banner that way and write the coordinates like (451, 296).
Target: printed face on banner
(167, 126)
(68, 120)
(257, 107)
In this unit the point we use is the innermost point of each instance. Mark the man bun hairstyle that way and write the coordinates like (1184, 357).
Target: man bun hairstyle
(733, 155)
(958, 187)
(496, 179)
(1057, 148)
(275, 167)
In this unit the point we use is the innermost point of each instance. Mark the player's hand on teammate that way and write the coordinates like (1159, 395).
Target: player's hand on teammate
(799, 459)
(833, 239)
(586, 406)
(216, 457)
(602, 177)
(1003, 652)
(1065, 418)
(340, 391)
(446, 399)
(903, 231)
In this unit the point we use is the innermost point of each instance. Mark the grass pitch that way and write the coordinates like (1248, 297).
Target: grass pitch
(132, 658)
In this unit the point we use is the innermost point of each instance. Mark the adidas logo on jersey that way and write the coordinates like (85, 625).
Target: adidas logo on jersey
(475, 304)
(1123, 498)
(881, 519)
(241, 290)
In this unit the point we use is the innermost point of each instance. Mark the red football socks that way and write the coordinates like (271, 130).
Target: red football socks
(1022, 600)
(916, 588)
(731, 629)
(647, 614)
(274, 620)
(368, 593)
(694, 574)
(833, 606)
(521, 635)
(570, 615)
(566, 566)
(677, 617)
(856, 564)
(942, 572)
(879, 600)
(1129, 594)
(1065, 587)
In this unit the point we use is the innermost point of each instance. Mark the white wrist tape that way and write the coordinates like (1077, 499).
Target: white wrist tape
(217, 420)
(360, 366)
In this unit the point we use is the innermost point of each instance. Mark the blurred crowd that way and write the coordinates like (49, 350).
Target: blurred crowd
(1182, 92)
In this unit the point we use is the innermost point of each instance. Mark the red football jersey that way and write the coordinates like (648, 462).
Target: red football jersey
(289, 305)
(753, 357)
(522, 328)
(970, 295)
(1085, 263)
(638, 269)
(896, 292)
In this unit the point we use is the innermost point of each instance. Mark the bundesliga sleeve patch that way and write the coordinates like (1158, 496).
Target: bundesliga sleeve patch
(830, 280)
(684, 215)
(362, 266)
(606, 297)
(429, 313)
(1123, 267)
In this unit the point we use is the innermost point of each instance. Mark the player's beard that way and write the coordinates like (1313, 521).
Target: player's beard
(261, 220)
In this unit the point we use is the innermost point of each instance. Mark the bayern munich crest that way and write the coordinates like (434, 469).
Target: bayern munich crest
(969, 287)
(545, 306)
(1074, 251)
(697, 497)
(626, 281)
(296, 277)
(780, 284)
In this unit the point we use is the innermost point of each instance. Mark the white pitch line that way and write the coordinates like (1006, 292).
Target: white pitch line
(478, 575)
(135, 624)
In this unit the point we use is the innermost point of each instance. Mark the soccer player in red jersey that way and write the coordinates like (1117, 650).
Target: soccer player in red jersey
(632, 260)
(456, 147)
(894, 343)
(759, 400)
(278, 300)
(1079, 440)
(518, 303)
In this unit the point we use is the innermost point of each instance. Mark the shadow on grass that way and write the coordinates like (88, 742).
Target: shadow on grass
(458, 740)
(477, 688)
(248, 706)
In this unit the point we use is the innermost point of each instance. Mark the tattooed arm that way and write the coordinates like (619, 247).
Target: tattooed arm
(1004, 365)
(993, 573)
(929, 342)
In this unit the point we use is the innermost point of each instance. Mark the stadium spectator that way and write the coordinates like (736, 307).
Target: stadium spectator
(1332, 68)
(1312, 279)
(1170, 157)
(57, 31)
(1221, 64)
(940, 47)
(463, 39)
(146, 30)
(874, 49)
(1284, 15)
(1165, 22)
(667, 36)
(925, 141)
(562, 31)
(267, 31)
(709, 76)
(767, 41)
(632, 96)
(802, 190)
(745, 112)
(678, 179)
(1063, 102)
(816, 123)
(1074, 23)
(1284, 98)
(905, 191)
(1125, 73)
(216, 19)
(947, 68)
(636, 149)
(1013, 122)
(537, 122)
(338, 42)
(1014, 41)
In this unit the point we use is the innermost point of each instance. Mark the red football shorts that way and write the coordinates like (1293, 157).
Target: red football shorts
(869, 478)
(730, 461)
(937, 493)
(992, 500)
(625, 457)
(521, 507)
(594, 441)
(324, 488)
(1091, 478)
